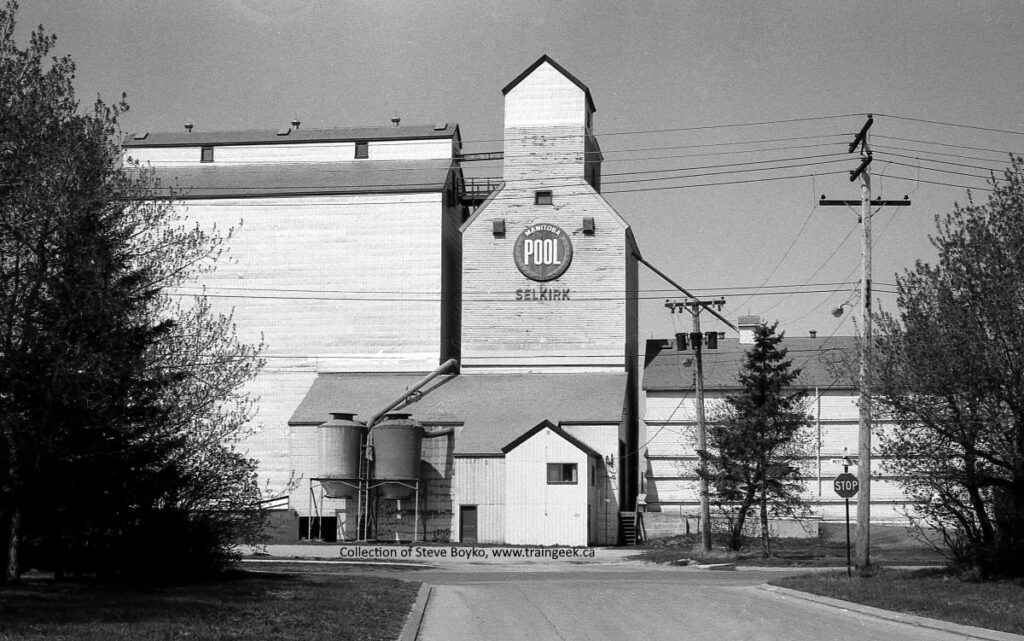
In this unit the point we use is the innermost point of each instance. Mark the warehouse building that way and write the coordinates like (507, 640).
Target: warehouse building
(670, 495)
(501, 323)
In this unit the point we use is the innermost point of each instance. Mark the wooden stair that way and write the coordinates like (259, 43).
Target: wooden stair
(631, 527)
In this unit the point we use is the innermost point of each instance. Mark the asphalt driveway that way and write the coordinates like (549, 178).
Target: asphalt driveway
(653, 604)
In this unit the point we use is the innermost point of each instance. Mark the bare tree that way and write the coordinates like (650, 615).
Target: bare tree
(949, 369)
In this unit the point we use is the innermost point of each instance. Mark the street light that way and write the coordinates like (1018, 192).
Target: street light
(838, 311)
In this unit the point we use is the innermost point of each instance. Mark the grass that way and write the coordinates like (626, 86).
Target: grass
(887, 548)
(937, 594)
(241, 605)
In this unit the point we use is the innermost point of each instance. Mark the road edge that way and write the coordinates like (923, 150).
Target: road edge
(411, 629)
(969, 631)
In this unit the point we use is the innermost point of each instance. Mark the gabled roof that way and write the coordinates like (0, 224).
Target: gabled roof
(494, 409)
(298, 179)
(560, 69)
(345, 134)
(822, 361)
(546, 424)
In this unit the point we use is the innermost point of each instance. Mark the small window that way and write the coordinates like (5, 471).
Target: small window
(206, 154)
(542, 198)
(562, 474)
(362, 150)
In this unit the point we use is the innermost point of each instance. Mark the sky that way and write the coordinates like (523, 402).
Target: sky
(688, 94)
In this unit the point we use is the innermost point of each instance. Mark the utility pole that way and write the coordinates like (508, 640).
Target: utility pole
(697, 339)
(862, 545)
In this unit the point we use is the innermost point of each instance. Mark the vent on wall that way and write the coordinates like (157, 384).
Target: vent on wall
(498, 226)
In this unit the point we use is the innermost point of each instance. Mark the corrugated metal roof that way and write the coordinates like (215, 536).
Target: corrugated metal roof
(197, 138)
(495, 409)
(820, 359)
(272, 179)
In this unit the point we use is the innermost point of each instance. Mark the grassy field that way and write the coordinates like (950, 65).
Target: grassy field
(996, 605)
(887, 548)
(242, 605)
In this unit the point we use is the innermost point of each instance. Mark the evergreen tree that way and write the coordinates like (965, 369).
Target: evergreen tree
(755, 441)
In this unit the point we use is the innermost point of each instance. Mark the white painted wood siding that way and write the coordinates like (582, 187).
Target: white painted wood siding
(352, 283)
(589, 329)
(670, 460)
(604, 517)
(293, 152)
(537, 513)
(542, 157)
(545, 97)
(330, 283)
(480, 482)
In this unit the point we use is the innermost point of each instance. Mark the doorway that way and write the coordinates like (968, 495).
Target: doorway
(467, 524)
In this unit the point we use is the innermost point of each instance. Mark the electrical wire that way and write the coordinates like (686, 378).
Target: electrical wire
(1003, 152)
(952, 124)
(820, 267)
(788, 249)
(368, 297)
(999, 164)
(377, 292)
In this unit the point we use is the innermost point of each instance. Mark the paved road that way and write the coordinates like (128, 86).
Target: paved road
(592, 604)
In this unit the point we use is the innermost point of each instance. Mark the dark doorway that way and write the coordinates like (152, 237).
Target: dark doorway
(323, 529)
(467, 524)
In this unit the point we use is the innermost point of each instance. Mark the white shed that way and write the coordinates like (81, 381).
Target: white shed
(549, 488)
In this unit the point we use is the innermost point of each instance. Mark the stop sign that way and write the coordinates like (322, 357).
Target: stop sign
(846, 485)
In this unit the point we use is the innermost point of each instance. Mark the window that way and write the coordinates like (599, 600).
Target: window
(362, 150)
(561, 474)
(206, 154)
(542, 198)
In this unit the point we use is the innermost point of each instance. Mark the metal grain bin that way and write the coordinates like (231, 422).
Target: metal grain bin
(397, 445)
(340, 444)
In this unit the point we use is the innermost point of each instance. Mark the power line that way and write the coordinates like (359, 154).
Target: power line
(1000, 163)
(935, 182)
(217, 200)
(575, 295)
(437, 292)
(953, 124)
(790, 248)
(837, 156)
(731, 125)
(1004, 152)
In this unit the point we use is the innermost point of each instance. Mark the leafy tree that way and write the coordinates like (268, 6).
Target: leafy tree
(949, 369)
(120, 406)
(755, 443)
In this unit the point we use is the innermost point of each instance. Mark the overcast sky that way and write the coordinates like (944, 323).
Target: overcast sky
(665, 76)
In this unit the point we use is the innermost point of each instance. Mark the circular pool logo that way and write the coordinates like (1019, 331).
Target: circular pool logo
(543, 252)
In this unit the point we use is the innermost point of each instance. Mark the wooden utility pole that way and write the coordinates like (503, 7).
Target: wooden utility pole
(702, 444)
(697, 339)
(862, 545)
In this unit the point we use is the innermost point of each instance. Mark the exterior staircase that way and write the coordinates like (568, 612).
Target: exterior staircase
(631, 526)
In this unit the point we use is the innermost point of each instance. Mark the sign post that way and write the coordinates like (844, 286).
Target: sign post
(846, 486)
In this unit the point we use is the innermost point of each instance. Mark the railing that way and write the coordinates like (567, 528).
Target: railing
(476, 190)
